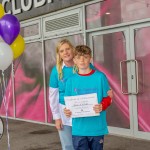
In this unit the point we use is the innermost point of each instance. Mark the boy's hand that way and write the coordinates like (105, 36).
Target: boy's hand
(97, 108)
(67, 112)
(58, 124)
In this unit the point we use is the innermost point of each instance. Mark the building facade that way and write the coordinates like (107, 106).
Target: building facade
(117, 31)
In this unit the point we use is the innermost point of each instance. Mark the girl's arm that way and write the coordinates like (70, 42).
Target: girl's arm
(54, 102)
(54, 94)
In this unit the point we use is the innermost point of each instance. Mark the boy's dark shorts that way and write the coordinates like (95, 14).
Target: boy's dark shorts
(88, 142)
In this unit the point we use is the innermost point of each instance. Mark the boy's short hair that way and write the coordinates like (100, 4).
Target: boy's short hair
(82, 50)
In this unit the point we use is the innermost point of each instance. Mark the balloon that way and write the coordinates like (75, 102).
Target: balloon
(6, 56)
(1, 11)
(18, 46)
(9, 28)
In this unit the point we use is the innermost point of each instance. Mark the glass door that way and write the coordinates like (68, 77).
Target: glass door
(110, 52)
(140, 51)
(123, 54)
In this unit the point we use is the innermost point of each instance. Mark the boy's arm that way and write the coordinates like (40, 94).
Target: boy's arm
(107, 94)
(106, 101)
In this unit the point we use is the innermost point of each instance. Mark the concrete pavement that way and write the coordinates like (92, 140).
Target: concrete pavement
(32, 136)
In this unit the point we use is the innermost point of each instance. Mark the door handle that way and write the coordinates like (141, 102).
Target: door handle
(121, 77)
(137, 78)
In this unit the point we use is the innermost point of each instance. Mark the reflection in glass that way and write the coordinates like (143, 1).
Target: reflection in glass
(29, 87)
(109, 50)
(142, 54)
(29, 31)
(113, 12)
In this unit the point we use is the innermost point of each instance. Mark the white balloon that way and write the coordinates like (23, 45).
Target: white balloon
(6, 56)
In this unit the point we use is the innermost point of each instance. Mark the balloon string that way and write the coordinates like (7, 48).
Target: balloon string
(6, 110)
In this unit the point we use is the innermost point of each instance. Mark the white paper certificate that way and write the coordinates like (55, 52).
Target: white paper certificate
(82, 105)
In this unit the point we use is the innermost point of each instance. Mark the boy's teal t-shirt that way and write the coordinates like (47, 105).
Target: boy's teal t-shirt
(79, 85)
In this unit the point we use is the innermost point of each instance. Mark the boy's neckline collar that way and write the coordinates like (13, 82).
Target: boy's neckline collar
(88, 74)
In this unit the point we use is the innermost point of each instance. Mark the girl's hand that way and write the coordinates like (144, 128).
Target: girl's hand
(58, 124)
(67, 112)
(110, 93)
(97, 108)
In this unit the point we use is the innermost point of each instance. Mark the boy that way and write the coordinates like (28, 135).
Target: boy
(88, 132)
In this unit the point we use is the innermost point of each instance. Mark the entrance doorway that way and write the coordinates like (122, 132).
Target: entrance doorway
(123, 54)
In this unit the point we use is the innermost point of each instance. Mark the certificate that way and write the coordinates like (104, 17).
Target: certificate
(82, 105)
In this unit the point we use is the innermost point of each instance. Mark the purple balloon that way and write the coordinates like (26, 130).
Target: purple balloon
(9, 28)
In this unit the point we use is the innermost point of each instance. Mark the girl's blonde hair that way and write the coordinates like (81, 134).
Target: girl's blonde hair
(59, 61)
